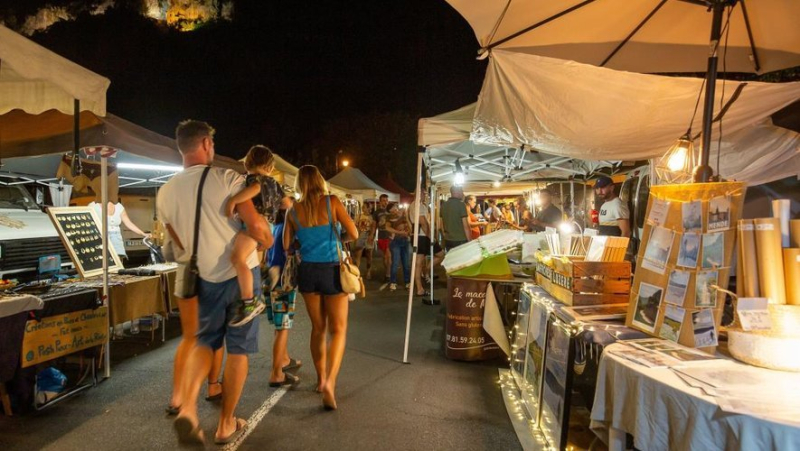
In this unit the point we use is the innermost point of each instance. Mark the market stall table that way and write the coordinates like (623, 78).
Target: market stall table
(663, 412)
(13, 314)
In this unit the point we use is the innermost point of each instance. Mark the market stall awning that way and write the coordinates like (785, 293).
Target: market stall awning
(34, 79)
(577, 110)
(38, 157)
(353, 179)
(648, 36)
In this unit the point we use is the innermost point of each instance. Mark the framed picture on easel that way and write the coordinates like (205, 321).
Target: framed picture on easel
(77, 227)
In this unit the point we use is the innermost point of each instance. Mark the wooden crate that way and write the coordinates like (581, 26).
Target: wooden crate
(577, 282)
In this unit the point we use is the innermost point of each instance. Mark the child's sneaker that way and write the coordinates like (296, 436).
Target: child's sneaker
(392, 287)
(248, 309)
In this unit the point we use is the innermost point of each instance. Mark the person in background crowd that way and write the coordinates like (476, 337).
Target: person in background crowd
(311, 224)
(280, 311)
(508, 214)
(474, 224)
(218, 289)
(398, 225)
(614, 214)
(117, 216)
(492, 212)
(549, 215)
(524, 215)
(384, 237)
(424, 247)
(455, 219)
(366, 237)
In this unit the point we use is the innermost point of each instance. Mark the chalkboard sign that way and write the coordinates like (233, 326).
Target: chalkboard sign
(77, 227)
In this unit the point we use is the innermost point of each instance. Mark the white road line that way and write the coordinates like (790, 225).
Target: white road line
(256, 418)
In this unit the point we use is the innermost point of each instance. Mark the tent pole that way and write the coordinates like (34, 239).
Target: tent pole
(432, 228)
(703, 172)
(417, 195)
(104, 222)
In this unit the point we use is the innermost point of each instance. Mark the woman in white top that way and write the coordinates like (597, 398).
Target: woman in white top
(116, 217)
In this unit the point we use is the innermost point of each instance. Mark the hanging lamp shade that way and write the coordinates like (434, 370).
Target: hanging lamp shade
(677, 164)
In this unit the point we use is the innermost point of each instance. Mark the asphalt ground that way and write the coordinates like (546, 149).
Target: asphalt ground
(430, 403)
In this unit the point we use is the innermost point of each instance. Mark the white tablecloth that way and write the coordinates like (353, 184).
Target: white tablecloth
(663, 413)
(11, 305)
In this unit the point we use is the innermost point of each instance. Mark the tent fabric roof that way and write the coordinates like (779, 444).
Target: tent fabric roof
(576, 110)
(664, 36)
(35, 79)
(353, 179)
(447, 139)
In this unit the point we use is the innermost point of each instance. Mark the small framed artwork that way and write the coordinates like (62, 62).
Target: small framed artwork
(673, 321)
(557, 386)
(77, 227)
(689, 252)
(692, 215)
(659, 247)
(676, 287)
(648, 302)
(704, 294)
(719, 213)
(534, 359)
(713, 250)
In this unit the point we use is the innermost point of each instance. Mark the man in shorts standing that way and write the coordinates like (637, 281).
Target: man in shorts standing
(218, 289)
(381, 215)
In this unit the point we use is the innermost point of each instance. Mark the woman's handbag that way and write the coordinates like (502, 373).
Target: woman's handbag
(349, 274)
(190, 274)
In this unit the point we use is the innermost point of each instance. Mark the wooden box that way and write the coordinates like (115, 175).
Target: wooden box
(577, 282)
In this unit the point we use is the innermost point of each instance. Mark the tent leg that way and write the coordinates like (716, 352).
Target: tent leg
(433, 238)
(104, 222)
(414, 253)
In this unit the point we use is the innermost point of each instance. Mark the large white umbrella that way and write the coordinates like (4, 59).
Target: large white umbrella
(649, 36)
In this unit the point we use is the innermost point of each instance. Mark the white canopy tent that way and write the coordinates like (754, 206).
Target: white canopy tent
(355, 181)
(577, 110)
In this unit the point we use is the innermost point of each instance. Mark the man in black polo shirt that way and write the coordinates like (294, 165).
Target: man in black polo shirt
(549, 215)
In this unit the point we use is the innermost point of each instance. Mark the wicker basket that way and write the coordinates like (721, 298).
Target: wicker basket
(775, 348)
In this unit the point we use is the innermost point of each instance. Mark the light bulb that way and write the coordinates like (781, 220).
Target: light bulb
(566, 227)
(496, 184)
(677, 161)
(459, 178)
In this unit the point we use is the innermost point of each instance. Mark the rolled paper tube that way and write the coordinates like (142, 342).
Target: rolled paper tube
(791, 272)
(739, 272)
(794, 233)
(770, 259)
(748, 272)
(781, 211)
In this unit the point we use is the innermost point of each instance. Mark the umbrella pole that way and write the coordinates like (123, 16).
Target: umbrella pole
(703, 172)
(414, 254)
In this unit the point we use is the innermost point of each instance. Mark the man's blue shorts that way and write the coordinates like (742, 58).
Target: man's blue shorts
(218, 303)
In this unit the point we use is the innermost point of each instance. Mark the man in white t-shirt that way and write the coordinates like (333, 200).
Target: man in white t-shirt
(614, 214)
(218, 290)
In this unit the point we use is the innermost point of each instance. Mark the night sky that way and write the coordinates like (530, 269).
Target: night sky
(305, 78)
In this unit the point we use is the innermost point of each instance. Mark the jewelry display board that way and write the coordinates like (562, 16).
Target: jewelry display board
(689, 238)
(77, 227)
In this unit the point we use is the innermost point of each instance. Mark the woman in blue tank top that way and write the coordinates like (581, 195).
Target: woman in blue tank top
(311, 233)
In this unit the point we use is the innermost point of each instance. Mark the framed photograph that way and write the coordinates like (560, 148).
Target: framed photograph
(658, 249)
(648, 302)
(705, 332)
(704, 294)
(520, 339)
(658, 212)
(676, 287)
(692, 215)
(671, 326)
(597, 312)
(534, 360)
(719, 213)
(77, 227)
(557, 386)
(713, 250)
(689, 252)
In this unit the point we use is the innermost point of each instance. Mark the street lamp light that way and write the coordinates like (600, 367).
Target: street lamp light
(345, 163)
